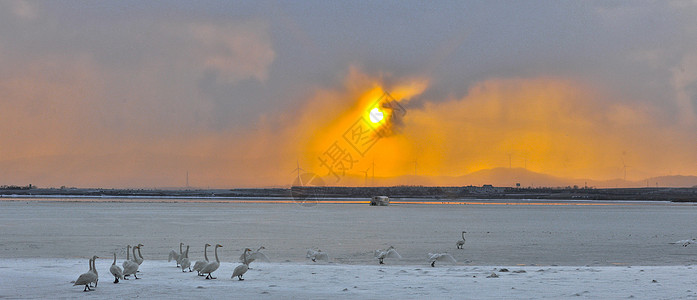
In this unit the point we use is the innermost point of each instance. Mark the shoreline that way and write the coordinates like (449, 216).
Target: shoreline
(398, 193)
(325, 201)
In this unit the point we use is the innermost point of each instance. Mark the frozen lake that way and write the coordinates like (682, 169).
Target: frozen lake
(516, 250)
(552, 233)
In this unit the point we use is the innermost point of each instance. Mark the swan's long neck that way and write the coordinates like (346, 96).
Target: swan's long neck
(216, 254)
(262, 247)
(114, 263)
(90, 262)
(205, 251)
(185, 255)
(244, 257)
(139, 255)
(134, 252)
(463, 235)
(128, 251)
(180, 248)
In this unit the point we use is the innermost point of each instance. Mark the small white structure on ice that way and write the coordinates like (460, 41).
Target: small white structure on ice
(380, 201)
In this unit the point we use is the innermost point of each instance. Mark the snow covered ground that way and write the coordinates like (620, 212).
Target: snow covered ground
(51, 279)
(556, 250)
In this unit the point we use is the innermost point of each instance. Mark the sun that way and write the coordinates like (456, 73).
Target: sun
(375, 115)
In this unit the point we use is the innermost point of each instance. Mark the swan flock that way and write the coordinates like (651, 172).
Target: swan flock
(206, 267)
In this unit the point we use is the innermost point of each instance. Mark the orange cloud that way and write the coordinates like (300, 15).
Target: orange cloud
(57, 134)
(343, 141)
(548, 125)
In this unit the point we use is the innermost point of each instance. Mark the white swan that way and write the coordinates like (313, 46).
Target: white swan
(130, 267)
(202, 263)
(116, 270)
(314, 255)
(139, 258)
(128, 256)
(176, 256)
(389, 253)
(86, 278)
(461, 242)
(241, 269)
(433, 257)
(94, 270)
(684, 243)
(254, 255)
(185, 262)
(212, 266)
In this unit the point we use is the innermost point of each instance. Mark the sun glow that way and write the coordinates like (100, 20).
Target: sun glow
(545, 125)
(362, 129)
(375, 115)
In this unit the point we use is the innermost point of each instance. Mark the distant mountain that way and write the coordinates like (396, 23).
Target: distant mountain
(512, 177)
(670, 181)
(660, 181)
(496, 177)
(509, 177)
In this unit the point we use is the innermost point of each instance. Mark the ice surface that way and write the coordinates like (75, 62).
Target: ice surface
(631, 234)
(608, 251)
(51, 279)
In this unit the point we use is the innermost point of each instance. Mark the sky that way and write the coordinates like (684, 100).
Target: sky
(229, 94)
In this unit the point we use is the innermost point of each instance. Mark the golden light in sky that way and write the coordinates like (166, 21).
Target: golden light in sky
(359, 128)
(551, 126)
(225, 101)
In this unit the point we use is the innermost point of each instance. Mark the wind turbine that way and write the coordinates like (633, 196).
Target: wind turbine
(373, 179)
(625, 166)
(366, 176)
(298, 169)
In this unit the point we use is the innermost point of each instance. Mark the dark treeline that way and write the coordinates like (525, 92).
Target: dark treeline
(441, 193)
(17, 187)
(489, 192)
